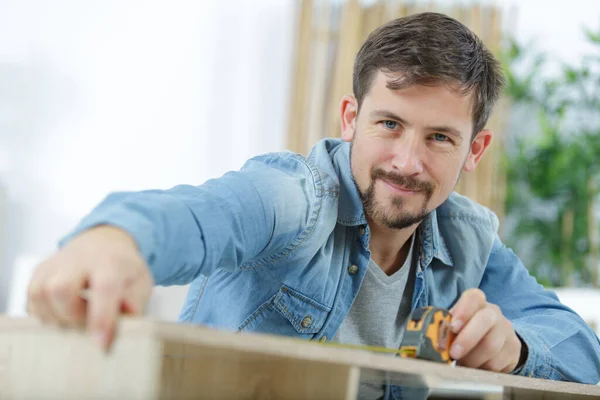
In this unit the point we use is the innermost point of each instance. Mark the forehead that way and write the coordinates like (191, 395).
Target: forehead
(440, 101)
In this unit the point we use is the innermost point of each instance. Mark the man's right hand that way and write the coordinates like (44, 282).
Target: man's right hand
(104, 262)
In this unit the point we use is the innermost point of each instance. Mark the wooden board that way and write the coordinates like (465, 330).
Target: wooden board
(153, 360)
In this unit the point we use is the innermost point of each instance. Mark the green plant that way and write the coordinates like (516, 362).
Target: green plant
(553, 175)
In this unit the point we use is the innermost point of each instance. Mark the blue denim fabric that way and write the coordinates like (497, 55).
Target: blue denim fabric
(269, 245)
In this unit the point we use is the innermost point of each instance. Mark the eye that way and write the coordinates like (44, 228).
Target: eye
(440, 137)
(390, 124)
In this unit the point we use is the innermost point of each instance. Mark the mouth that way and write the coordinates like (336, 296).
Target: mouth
(399, 189)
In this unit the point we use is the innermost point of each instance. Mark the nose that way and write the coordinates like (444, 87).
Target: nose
(408, 155)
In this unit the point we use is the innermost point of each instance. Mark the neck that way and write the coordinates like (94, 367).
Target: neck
(390, 247)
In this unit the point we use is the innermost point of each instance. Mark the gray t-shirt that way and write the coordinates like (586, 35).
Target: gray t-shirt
(377, 316)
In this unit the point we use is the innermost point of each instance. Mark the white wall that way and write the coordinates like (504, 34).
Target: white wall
(127, 95)
(553, 26)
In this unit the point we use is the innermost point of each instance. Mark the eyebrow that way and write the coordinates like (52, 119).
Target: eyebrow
(388, 114)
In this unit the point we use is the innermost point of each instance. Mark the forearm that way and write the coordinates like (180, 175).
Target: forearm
(168, 237)
(223, 223)
(559, 347)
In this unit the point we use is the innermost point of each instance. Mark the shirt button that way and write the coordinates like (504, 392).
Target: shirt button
(306, 321)
(323, 339)
(362, 230)
(352, 269)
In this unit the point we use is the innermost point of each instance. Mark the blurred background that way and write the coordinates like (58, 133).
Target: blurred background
(99, 96)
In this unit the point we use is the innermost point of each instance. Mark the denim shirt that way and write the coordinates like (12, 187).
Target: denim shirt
(282, 245)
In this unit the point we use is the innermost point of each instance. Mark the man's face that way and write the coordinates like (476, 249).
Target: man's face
(409, 147)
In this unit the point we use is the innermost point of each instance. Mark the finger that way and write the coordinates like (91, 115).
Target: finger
(136, 296)
(472, 333)
(508, 358)
(487, 353)
(64, 300)
(41, 311)
(34, 296)
(37, 299)
(468, 304)
(104, 303)
(499, 364)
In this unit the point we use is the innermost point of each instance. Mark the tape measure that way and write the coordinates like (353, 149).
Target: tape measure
(427, 336)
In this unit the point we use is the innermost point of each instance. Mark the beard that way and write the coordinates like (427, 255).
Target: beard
(394, 215)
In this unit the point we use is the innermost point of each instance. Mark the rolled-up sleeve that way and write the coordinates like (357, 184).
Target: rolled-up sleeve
(223, 223)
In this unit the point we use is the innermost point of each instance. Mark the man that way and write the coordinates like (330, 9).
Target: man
(340, 245)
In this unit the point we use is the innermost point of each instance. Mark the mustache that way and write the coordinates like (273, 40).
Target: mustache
(408, 182)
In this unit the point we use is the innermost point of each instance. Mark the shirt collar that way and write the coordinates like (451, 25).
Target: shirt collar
(432, 243)
(350, 210)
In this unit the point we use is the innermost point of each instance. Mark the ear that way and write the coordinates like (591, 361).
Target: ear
(348, 114)
(478, 145)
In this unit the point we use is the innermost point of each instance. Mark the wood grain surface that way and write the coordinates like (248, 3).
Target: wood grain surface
(153, 359)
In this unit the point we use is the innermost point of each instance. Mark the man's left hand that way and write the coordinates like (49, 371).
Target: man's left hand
(485, 338)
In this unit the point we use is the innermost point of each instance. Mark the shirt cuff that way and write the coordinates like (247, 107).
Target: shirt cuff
(138, 227)
(538, 361)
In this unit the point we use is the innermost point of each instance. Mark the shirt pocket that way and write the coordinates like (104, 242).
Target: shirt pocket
(288, 313)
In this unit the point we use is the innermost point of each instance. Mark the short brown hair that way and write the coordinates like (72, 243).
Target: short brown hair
(429, 49)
